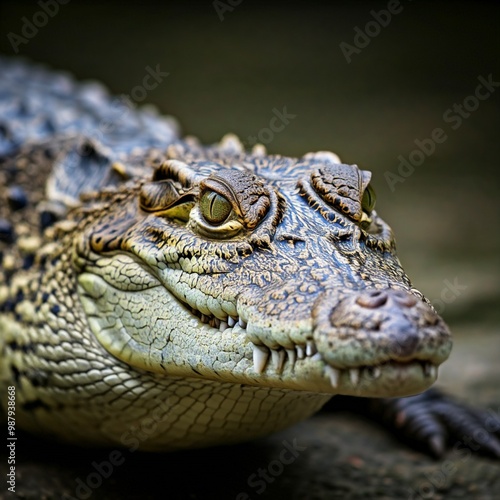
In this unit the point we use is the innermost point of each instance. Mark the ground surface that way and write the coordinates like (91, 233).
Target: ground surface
(230, 76)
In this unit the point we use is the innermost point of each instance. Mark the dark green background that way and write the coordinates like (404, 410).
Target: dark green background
(228, 76)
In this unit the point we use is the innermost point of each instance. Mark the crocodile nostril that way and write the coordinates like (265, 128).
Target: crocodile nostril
(405, 299)
(372, 299)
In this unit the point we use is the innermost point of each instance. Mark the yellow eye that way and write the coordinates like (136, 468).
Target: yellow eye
(214, 207)
(368, 200)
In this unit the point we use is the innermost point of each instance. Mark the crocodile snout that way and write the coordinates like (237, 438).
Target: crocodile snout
(373, 326)
(392, 310)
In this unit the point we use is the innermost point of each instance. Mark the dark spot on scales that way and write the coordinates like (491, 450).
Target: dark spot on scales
(33, 405)
(8, 305)
(28, 261)
(16, 373)
(16, 197)
(6, 231)
(39, 379)
(47, 219)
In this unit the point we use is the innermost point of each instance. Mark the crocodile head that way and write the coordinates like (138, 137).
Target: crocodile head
(259, 270)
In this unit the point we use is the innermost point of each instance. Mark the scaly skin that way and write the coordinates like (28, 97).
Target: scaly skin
(218, 294)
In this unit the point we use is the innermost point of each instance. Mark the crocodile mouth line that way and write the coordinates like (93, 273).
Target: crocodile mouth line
(373, 372)
(215, 322)
(280, 358)
(261, 353)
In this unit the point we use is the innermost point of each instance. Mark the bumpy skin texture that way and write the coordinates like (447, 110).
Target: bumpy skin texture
(207, 294)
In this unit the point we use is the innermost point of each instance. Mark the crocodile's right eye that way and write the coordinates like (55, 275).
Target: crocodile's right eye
(368, 200)
(215, 208)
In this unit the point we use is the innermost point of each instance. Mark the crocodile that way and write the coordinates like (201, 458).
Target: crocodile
(207, 293)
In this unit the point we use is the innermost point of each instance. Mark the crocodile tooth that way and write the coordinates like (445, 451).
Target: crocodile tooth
(333, 375)
(310, 348)
(242, 323)
(231, 321)
(282, 359)
(430, 370)
(354, 376)
(317, 357)
(376, 372)
(260, 357)
(292, 356)
(300, 352)
(223, 325)
(216, 322)
(278, 357)
(204, 319)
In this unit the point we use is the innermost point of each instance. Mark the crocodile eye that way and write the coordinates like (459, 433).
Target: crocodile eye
(368, 200)
(214, 207)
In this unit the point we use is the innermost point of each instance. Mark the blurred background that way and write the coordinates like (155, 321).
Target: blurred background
(367, 80)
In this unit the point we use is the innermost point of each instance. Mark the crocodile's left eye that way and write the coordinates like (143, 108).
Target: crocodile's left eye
(215, 208)
(230, 202)
(216, 215)
(368, 200)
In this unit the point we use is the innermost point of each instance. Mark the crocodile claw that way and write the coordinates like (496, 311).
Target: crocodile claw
(433, 422)
(437, 422)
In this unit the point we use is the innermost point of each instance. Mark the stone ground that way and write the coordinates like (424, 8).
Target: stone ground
(229, 76)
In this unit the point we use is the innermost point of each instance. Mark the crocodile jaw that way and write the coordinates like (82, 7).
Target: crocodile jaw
(176, 339)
